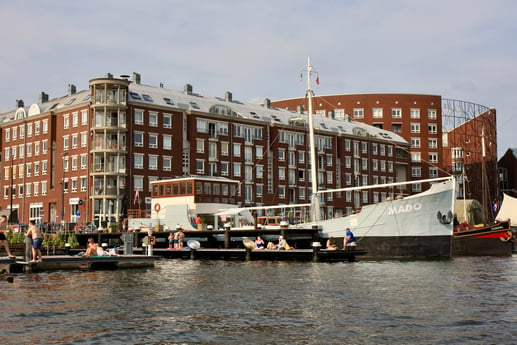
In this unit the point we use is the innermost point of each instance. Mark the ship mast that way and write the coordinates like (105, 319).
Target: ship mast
(315, 202)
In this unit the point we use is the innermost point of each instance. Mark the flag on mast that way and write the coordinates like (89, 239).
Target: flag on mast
(318, 79)
(137, 194)
(301, 77)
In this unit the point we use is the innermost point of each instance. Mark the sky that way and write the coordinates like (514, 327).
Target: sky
(256, 49)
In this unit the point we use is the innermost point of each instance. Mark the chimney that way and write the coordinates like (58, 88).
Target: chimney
(43, 97)
(267, 103)
(136, 78)
(187, 89)
(299, 109)
(71, 89)
(19, 103)
(109, 75)
(228, 96)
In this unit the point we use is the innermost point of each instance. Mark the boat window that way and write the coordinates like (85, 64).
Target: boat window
(175, 189)
(155, 190)
(168, 189)
(199, 188)
(183, 187)
(189, 188)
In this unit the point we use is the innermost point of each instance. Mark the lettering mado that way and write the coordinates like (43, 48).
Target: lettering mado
(405, 208)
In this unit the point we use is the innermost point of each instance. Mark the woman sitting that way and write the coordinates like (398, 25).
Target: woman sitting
(259, 243)
(91, 249)
(331, 243)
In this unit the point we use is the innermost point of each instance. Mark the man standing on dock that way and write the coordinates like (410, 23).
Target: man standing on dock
(35, 233)
(3, 238)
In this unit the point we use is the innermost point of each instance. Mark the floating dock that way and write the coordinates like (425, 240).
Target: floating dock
(315, 255)
(67, 262)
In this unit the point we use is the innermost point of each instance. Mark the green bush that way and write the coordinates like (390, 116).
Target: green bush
(15, 238)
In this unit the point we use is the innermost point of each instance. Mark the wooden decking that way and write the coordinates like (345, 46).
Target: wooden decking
(66, 262)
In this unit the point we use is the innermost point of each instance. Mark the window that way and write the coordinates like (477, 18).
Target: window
(431, 114)
(433, 172)
(153, 119)
(66, 121)
(396, 128)
(225, 168)
(167, 142)
(259, 152)
(415, 128)
(281, 155)
(358, 113)
(44, 167)
(415, 113)
(83, 161)
(415, 142)
(45, 126)
(433, 157)
(138, 161)
(74, 141)
(29, 129)
(396, 113)
(225, 148)
(74, 163)
(415, 157)
(236, 150)
(66, 142)
(416, 171)
(84, 117)
(237, 169)
(167, 121)
(139, 139)
(153, 162)
(200, 166)
(84, 139)
(75, 119)
(433, 143)
(432, 128)
(200, 145)
(377, 113)
(139, 117)
(167, 163)
(259, 172)
(153, 141)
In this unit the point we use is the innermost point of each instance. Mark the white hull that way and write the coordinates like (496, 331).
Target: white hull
(412, 216)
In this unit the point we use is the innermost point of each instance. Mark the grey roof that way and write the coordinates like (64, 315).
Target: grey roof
(152, 95)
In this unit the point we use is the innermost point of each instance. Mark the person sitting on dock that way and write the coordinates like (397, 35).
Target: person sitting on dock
(34, 232)
(349, 239)
(259, 243)
(331, 243)
(91, 249)
(282, 244)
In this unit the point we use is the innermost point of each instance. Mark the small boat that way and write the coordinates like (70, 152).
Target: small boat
(473, 234)
(494, 239)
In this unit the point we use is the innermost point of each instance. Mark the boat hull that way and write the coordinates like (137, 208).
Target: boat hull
(493, 240)
(418, 226)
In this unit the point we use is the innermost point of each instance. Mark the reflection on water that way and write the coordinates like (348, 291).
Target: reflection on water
(464, 301)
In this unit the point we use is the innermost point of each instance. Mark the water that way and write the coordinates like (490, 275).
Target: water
(464, 301)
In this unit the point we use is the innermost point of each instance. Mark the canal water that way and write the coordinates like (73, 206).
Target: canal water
(469, 300)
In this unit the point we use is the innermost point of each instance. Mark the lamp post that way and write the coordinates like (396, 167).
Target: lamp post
(63, 193)
(11, 193)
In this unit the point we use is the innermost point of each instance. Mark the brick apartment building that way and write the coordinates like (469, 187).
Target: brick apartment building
(92, 155)
(445, 135)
